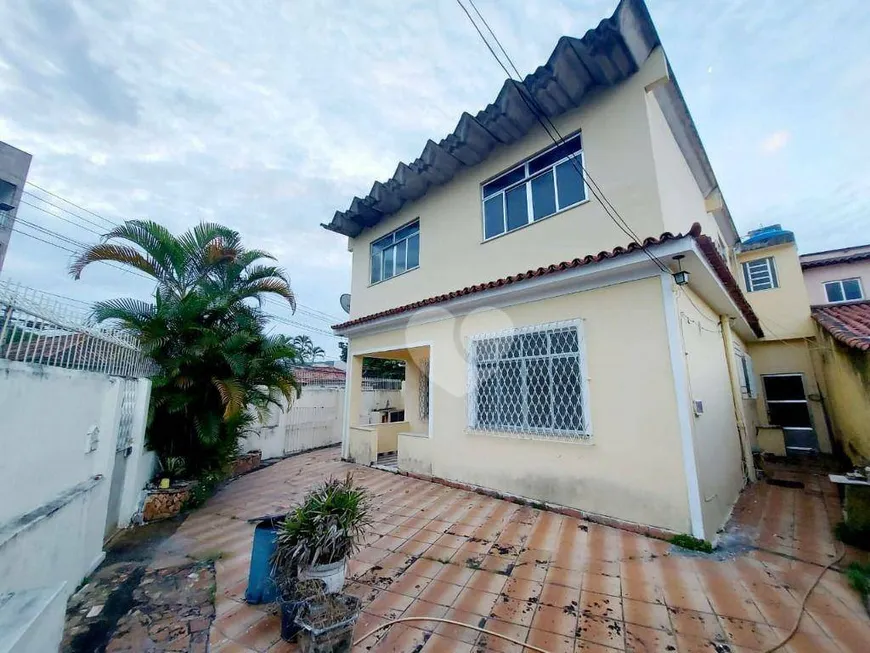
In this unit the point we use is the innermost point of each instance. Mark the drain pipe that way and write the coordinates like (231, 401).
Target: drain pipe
(746, 448)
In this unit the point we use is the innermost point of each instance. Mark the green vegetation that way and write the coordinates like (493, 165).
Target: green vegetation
(325, 528)
(205, 331)
(859, 578)
(692, 543)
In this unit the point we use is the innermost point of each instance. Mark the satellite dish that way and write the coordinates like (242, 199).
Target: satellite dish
(344, 300)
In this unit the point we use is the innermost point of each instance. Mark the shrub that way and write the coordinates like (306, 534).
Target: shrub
(692, 543)
(859, 578)
(325, 528)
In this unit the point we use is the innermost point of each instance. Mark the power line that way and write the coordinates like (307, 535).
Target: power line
(301, 325)
(60, 217)
(63, 199)
(49, 232)
(540, 115)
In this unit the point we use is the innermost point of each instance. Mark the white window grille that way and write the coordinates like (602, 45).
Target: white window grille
(530, 382)
(125, 423)
(760, 274)
(424, 389)
(844, 290)
(395, 253)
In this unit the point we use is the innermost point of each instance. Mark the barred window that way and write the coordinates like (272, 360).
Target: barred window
(529, 381)
(760, 274)
(424, 389)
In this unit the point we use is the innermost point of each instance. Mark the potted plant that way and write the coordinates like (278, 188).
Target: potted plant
(319, 535)
(326, 625)
(292, 596)
(171, 468)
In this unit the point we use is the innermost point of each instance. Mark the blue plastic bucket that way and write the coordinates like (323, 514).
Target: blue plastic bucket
(261, 585)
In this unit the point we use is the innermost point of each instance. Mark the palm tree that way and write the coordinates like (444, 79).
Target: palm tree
(307, 349)
(205, 332)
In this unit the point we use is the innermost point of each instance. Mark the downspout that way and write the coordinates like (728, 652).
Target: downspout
(746, 448)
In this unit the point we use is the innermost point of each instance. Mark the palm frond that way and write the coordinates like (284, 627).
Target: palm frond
(117, 254)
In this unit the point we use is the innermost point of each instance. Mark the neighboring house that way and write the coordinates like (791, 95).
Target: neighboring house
(790, 396)
(14, 165)
(319, 375)
(547, 355)
(836, 281)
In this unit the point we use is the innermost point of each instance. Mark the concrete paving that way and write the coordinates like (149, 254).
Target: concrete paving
(559, 583)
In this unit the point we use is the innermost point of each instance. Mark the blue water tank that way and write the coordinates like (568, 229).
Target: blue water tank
(766, 237)
(261, 585)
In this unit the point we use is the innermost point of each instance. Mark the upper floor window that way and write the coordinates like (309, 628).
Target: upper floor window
(396, 253)
(760, 274)
(844, 290)
(544, 185)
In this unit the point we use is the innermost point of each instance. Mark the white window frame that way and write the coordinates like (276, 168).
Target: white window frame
(528, 178)
(394, 247)
(772, 275)
(843, 290)
(582, 435)
(748, 387)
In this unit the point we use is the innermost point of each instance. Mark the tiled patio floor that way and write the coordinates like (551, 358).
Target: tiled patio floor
(556, 582)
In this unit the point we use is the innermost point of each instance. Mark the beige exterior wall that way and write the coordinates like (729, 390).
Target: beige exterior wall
(815, 278)
(784, 311)
(717, 440)
(847, 375)
(792, 357)
(617, 151)
(681, 201)
(631, 469)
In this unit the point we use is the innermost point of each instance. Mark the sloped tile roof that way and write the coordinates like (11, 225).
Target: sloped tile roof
(317, 374)
(706, 245)
(849, 322)
(604, 57)
(850, 258)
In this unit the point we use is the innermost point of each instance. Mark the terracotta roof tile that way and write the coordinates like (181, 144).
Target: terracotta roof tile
(839, 260)
(849, 322)
(704, 242)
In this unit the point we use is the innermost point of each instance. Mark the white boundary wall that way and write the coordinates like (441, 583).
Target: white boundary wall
(314, 420)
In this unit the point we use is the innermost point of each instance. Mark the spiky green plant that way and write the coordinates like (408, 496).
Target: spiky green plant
(325, 528)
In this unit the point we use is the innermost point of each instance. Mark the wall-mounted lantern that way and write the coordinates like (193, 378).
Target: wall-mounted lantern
(681, 276)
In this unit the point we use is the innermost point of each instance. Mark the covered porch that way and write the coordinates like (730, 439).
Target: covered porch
(385, 436)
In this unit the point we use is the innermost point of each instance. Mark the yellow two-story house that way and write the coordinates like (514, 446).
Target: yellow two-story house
(559, 275)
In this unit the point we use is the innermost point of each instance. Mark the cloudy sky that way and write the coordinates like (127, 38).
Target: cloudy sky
(269, 115)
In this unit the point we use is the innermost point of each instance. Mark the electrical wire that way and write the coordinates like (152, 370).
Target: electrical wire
(453, 623)
(63, 199)
(540, 115)
(60, 217)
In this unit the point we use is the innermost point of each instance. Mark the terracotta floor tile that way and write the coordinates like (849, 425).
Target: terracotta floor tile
(237, 620)
(283, 647)
(805, 643)
(442, 554)
(476, 601)
(499, 645)
(601, 631)
(551, 642)
(474, 548)
(461, 530)
(748, 634)
(403, 532)
(426, 567)
(600, 605)
(413, 548)
(560, 596)
(452, 541)
(416, 522)
(389, 604)
(562, 621)
(400, 638)
(388, 543)
(602, 584)
(688, 600)
(440, 593)
(651, 615)
(425, 609)
(455, 574)
(487, 581)
(603, 567)
(426, 536)
(439, 644)
(229, 646)
(581, 646)
(534, 557)
(355, 568)
(848, 633)
(262, 634)
(642, 591)
(371, 555)
(639, 639)
(517, 612)
(686, 644)
(523, 590)
(701, 625)
(397, 561)
(527, 571)
(736, 605)
(410, 584)
(567, 577)
(467, 635)
(497, 564)
(438, 526)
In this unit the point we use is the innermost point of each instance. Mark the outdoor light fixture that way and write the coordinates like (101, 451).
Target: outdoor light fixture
(681, 276)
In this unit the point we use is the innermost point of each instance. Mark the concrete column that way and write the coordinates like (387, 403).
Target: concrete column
(352, 398)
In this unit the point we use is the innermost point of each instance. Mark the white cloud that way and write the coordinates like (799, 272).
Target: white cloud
(775, 141)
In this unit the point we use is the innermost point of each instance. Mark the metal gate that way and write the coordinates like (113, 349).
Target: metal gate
(788, 408)
(123, 449)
